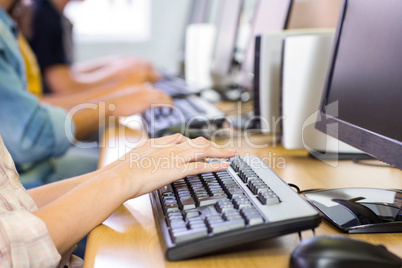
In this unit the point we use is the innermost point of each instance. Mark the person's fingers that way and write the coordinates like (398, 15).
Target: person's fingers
(201, 148)
(156, 75)
(171, 139)
(164, 142)
(160, 99)
(152, 76)
(127, 91)
(199, 143)
(202, 167)
(159, 143)
(200, 154)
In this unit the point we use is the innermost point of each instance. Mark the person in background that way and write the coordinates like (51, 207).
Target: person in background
(49, 34)
(36, 132)
(39, 227)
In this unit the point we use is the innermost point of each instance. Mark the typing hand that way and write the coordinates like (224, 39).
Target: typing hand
(151, 167)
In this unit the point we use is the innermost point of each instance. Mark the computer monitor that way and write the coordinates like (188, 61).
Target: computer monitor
(362, 98)
(314, 14)
(226, 34)
(199, 11)
(271, 16)
(245, 28)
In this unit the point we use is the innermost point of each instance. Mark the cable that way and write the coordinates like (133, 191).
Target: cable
(295, 186)
(303, 191)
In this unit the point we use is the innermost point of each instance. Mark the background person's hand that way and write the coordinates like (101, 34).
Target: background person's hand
(136, 100)
(138, 78)
(134, 69)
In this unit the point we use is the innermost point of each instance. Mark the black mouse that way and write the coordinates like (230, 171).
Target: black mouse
(340, 251)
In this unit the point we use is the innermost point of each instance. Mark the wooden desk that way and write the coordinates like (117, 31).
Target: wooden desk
(129, 237)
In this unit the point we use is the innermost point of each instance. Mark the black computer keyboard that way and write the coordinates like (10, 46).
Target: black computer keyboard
(188, 114)
(174, 86)
(209, 212)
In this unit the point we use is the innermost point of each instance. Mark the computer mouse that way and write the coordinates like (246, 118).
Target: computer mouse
(343, 252)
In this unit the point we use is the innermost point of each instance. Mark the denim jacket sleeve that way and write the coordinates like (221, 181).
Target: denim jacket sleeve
(31, 131)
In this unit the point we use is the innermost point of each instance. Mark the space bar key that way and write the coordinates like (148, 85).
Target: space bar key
(180, 237)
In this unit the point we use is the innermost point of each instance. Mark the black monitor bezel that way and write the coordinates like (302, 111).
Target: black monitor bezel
(379, 146)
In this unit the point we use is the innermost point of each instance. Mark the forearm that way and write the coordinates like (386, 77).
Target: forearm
(94, 64)
(88, 118)
(63, 81)
(105, 75)
(72, 99)
(48, 193)
(118, 70)
(75, 214)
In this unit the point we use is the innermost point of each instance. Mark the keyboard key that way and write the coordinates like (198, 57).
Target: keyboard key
(233, 192)
(196, 220)
(210, 200)
(166, 190)
(220, 227)
(191, 213)
(175, 218)
(222, 206)
(178, 224)
(254, 220)
(170, 206)
(268, 198)
(187, 202)
(183, 235)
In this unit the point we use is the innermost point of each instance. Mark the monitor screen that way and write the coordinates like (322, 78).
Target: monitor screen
(362, 101)
(199, 11)
(228, 21)
(271, 16)
(245, 28)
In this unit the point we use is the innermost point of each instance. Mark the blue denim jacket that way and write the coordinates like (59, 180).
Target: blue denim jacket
(32, 132)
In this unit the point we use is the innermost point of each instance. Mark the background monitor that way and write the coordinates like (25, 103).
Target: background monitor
(362, 97)
(227, 24)
(245, 28)
(314, 14)
(199, 11)
(271, 16)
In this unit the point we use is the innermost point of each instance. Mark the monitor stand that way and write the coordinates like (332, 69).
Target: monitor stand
(341, 156)
(359, 210)
(242, 121)
(231, 93)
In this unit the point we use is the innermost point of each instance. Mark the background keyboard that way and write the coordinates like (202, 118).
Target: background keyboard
(191, 112)
(174, 85)
(245, 203)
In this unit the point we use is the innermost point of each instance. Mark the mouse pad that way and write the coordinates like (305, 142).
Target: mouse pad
(360, 210)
